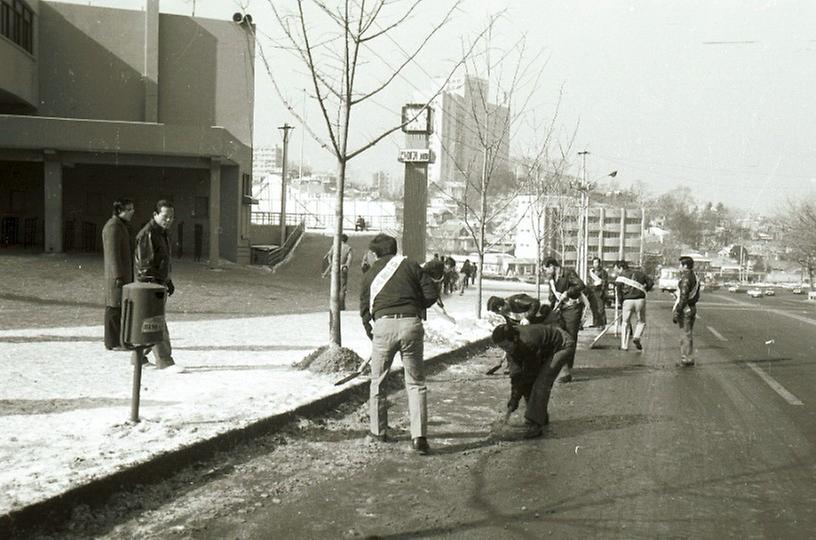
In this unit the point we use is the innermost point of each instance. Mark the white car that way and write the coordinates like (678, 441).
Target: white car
(797, 290)
(755, 293)
(732, 288)
(770, 292)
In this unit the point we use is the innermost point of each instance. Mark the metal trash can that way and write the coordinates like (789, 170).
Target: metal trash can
(142, 314)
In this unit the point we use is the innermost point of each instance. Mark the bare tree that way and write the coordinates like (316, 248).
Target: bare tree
(338, 44)
(490, 187)
(797, 222)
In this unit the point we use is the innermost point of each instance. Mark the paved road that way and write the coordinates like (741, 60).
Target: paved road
(637, 448)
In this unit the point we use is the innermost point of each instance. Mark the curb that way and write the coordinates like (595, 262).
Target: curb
(57, 509)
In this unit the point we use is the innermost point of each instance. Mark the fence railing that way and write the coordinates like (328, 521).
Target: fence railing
(323, 221)
(277, 254)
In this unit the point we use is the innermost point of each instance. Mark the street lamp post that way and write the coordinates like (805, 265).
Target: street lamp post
(582, 248)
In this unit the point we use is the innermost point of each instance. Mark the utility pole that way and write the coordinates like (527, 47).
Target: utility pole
(302, 133)
(285, 127)
(582, 227)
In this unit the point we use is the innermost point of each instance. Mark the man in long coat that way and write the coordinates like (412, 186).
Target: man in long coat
(117, 246)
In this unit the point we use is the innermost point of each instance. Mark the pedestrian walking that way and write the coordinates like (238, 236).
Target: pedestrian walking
(632, 286)
(464, 276)
(394, 295)
(685, 309)
(117, 249)
(153, 266)
(451, 275)
(536, 354)
(566, 289)
(346, 258)
(598, 283)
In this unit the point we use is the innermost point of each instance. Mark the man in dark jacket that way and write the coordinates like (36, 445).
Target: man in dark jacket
(598, 279)
(535, 353)
(632, 286)
(153, 266)
(685, 309)
(565, 298)
(117, 247)
(520, 308)
(394, 296)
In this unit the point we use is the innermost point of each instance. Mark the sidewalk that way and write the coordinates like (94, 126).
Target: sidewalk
(65, 401)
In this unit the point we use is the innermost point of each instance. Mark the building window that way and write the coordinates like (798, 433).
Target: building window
(17, 23)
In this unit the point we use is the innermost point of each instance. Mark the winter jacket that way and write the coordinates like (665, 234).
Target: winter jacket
(153, 254)
(568, 282)
(688, 291)
(535, 345)
(409, 292)
(630, 292)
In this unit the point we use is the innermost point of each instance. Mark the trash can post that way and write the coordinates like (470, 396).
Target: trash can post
(138, 355)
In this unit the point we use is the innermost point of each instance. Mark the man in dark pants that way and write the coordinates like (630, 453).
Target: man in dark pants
(153, 266)
(536, 353)
(117, 247)
(394, 295)
(685, 310)
(565, 297)
(598, 279)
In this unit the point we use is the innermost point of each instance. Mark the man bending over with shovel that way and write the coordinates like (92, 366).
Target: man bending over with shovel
(535, 354)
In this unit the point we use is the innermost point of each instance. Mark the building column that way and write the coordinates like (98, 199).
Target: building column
(151, 61)
(622, 248)
(215, 210)
(52, 179)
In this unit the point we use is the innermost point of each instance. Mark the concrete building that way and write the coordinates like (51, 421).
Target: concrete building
(613, 233)
(99, 103)
(462, 111)
(266, 160)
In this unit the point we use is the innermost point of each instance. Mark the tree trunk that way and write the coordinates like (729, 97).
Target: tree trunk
(334, 298)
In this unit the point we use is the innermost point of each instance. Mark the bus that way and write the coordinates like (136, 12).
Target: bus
(669, 276)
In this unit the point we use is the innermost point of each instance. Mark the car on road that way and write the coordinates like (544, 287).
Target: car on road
(755, 293)
(797, 290)
(770, 292)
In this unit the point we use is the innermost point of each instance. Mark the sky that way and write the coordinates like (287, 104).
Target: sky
(715, 96)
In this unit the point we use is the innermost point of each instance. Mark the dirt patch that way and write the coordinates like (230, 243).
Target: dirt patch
(331, 358)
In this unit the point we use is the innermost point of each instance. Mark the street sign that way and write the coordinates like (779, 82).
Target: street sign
(418, 155)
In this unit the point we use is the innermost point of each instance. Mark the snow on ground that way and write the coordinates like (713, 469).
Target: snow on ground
(65, 401)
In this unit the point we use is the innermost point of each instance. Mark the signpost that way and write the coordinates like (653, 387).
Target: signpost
(418, 121)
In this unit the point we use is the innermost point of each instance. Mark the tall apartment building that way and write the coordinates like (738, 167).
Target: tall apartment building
(266, 160)
(100, 103)
(613, 233)
(462, 111)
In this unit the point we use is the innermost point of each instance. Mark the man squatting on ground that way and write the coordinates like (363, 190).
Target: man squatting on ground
(535, 353)
(519, 309)
(565, 298)
(153, 266)
(117, 248)
(632, 286)
(685, 309)
(394, 295)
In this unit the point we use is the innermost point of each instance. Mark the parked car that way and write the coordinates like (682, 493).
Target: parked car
(797, 290)
(770, 292)
(755, 293)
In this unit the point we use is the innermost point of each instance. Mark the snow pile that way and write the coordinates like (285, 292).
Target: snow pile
(443, 332)
(330, 358)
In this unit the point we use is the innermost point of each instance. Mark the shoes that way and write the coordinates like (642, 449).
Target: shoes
(565, 378)
(637, 343)
(169, 366)
(532, 430)
(382, 437)
(624, 349)
(420, 446)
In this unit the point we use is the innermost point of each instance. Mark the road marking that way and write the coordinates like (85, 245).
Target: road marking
(778, 388)
(717, 334)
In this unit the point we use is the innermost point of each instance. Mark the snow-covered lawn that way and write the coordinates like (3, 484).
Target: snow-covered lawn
(65, 401)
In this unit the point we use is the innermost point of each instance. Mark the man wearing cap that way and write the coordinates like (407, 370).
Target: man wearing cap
(632, 286)
(685, 309)
(394, 295)
(566, 290)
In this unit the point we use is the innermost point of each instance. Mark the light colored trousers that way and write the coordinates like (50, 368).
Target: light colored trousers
(406, 336)
(634, 316)
(686, 324)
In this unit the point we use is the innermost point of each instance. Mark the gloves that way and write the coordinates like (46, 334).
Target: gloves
(369, 330)
(170, 288)
(524, 322)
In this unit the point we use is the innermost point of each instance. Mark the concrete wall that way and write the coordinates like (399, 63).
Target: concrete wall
(91, 62)
(230, 201)
(206, 74)
(19, 92)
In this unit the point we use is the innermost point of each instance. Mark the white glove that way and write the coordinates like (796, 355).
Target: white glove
(524, 322)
